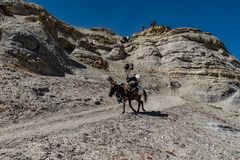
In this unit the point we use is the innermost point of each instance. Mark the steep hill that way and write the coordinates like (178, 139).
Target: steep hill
(54, 101)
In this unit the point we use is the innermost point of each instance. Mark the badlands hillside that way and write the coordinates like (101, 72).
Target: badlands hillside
(54, 100)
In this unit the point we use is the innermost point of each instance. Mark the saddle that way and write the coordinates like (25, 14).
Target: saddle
(135, 89)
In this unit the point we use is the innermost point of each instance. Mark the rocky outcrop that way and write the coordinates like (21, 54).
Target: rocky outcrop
(42, 44)
(185, 54)
(89, 58)
(34, 49)
(180, 49)
(18, 7)
(152, 31)
(116, 54)
(29, 42)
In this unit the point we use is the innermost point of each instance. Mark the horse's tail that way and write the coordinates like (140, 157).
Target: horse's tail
(145, 95)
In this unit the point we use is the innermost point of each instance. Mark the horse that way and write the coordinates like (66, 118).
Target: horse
(125, 94)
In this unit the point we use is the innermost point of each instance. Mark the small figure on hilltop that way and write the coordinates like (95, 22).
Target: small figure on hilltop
(126, 39)
(153, 24)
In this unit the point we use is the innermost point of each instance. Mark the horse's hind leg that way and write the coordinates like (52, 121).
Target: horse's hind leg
(130, 105)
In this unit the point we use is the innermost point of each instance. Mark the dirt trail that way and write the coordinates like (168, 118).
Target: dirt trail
(103, 133)
(55, 123)
(158, 103)
(65, 121)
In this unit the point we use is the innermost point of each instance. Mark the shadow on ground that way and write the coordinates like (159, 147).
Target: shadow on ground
(153, 114)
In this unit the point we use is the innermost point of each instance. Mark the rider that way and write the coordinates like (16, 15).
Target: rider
(133, 81)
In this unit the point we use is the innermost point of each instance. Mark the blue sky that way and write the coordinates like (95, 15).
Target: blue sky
(220, 17)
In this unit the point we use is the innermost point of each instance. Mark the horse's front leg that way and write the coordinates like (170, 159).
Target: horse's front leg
(130, 104)
(139, 103)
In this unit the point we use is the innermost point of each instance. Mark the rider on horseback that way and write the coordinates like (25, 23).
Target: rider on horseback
(133, 81)
(122, 92)
(133, 85)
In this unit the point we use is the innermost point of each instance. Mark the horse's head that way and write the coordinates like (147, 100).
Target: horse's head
(113, 89)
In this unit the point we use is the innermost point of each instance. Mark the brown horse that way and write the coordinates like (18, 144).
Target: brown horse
(123, 92)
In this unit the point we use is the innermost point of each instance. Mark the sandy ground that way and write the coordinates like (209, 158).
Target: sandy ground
(170, 129)
(57, 118)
